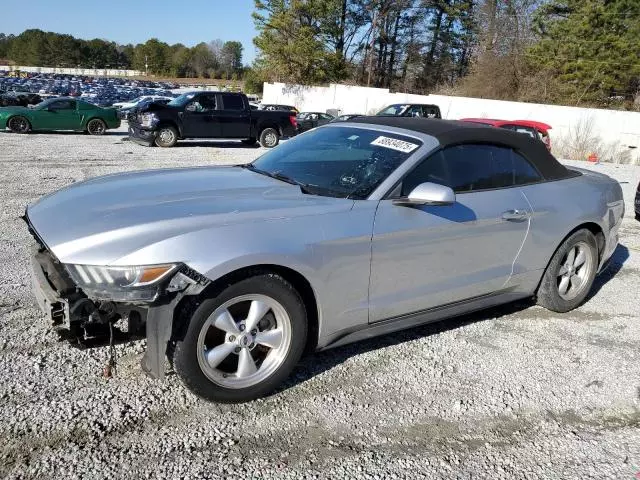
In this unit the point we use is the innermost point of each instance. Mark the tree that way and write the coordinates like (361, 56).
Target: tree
(231, 58)
(590, 48)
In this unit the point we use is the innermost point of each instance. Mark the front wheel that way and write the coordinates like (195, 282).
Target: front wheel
(570, 273)
(166, 137)
(19, 124)
(96, 126)
(243, 343)
(269, 137)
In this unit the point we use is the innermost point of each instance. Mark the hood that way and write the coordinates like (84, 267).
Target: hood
(109, 217)
(155, 106)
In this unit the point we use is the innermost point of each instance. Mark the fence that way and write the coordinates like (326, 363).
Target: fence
(613, 135)
(89, 72)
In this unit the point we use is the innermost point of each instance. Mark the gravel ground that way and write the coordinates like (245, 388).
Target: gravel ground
(514, 392)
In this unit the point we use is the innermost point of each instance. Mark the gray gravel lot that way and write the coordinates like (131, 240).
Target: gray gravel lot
(514, 392)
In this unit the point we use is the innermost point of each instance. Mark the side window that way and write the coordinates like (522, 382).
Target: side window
(523, 171)
(468, 168)
(202, 103)
(232, 102)
(432, 169)
(63, 105)
(415, 111)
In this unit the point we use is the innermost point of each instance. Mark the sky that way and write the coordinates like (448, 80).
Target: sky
(135, 21)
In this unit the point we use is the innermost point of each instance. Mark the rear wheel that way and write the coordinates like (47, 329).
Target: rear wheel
(269, 137)
(19, 124)
(96, 126)
(167, 136)
(570, 274)
(243, 342)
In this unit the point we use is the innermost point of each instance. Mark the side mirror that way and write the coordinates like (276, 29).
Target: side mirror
(428, 194)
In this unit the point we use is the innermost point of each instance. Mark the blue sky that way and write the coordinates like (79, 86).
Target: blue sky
(134, 21)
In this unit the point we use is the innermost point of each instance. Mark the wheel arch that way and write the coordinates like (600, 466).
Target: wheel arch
(597, 232)
(170, 123)
(295, 278)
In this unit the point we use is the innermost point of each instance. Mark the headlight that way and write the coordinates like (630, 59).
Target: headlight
(124, 284)
(148, 119)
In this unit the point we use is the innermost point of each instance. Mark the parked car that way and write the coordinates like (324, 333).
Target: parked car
(59, 114)
(346, 232)
(125, 112)
(308, 120)
(144, 98)
(19, 99)
(209, 115)
(411, 110)
(272, 107)
(346, 117)
(637, 203)
(532, 128)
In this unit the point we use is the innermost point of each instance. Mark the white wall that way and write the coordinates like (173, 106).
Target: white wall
(90, 72)
(576, 131)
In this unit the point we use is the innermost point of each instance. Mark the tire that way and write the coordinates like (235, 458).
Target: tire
(225, 375)
(249, 141)
(19, 124)
(167, 136)
(570, 273)
(96, 126)
(269, 137)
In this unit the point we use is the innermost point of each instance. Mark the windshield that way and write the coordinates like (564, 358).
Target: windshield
(393, 110)
(343, 162)
(182, 100)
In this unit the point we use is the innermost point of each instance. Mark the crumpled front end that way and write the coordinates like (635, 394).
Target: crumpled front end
(87, 316)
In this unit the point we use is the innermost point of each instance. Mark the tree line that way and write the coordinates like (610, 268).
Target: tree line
(216, 59)
(574, 52)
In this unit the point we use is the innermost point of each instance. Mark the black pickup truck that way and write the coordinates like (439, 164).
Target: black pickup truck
(209, 115)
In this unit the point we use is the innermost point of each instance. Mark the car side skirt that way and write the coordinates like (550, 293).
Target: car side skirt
(415, 319)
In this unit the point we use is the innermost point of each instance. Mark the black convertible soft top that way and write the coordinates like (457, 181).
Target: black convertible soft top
(452, 132)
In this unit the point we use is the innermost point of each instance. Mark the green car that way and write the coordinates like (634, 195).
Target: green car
(59, 114)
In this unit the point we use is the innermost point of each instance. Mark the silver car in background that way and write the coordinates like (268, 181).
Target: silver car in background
(351, 230)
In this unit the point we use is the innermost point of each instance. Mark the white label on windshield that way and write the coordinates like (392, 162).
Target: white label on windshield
(395, 144)
(352, 137)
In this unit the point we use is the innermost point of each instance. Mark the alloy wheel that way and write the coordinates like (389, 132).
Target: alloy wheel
(18, 125)
(575, 271)
(96, 127)
(244, 341)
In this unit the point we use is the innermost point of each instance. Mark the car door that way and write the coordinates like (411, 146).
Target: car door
(235, 117)
(59, 115)
(429, 256)
(199, 119)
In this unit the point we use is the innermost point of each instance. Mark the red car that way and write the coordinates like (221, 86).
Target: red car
(537, 130)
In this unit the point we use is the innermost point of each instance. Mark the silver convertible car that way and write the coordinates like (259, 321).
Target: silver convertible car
(351, 230)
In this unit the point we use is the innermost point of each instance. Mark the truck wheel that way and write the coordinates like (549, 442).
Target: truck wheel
(243, 342)
(166, 137)
(249, 141)
(269, 137)
(19, 124)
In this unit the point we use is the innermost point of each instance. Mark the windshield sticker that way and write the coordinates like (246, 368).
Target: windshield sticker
(353, 137)
(395, 144)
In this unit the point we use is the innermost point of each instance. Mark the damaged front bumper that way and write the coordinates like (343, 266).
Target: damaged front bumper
(141, 136)
(89, 322)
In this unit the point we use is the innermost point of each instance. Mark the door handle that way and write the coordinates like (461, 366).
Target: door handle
(515, 215)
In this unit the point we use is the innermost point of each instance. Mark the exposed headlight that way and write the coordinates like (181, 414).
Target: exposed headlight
(124, 284)
(148, 119)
